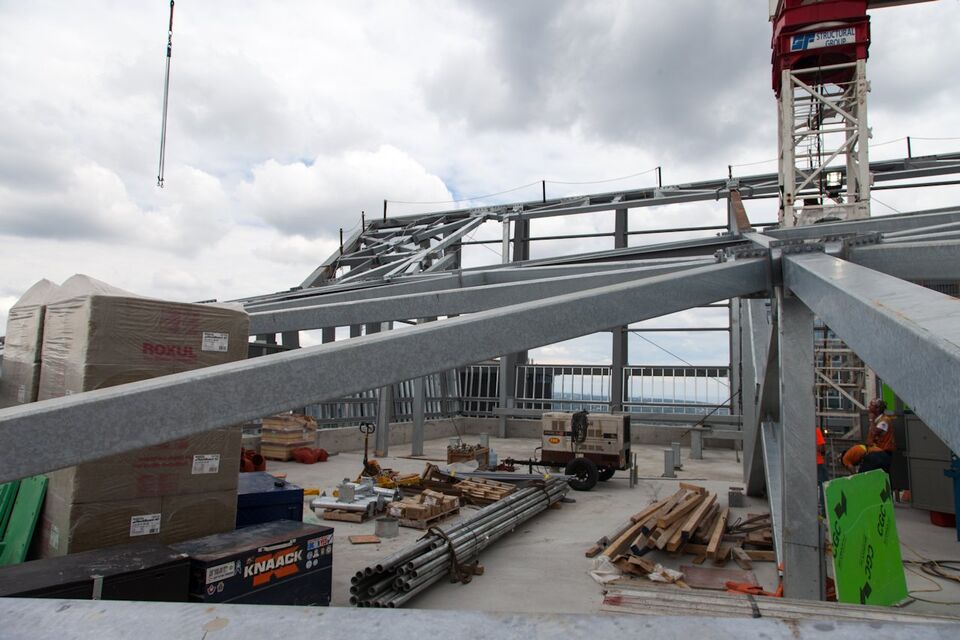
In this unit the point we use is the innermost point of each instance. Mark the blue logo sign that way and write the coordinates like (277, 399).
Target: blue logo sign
(802, 41)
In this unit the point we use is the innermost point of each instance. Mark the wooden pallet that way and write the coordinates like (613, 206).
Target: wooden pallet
(428, 522)
(345, 516)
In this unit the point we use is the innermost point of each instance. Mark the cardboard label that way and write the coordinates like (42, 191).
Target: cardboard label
(866, 548)
(221, 572)
(22, 394)
(206, 463)
(213, 341)
(147, 525)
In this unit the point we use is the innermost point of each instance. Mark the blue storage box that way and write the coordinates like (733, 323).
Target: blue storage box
(263, 498)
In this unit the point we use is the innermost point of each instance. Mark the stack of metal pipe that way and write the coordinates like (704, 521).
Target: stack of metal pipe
(397, 578)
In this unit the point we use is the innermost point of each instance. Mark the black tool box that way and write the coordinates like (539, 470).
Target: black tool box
(281, 562)
(263, 498)
(141, 571)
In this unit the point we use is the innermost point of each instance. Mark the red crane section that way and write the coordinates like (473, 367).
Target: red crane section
(819, 33)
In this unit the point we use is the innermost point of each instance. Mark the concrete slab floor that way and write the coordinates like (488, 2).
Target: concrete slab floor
(541, 567)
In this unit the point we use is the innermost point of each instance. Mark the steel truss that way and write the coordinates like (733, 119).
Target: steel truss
(851, 274)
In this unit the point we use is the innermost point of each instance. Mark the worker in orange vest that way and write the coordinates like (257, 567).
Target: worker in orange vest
(821, 467)
(880, 441)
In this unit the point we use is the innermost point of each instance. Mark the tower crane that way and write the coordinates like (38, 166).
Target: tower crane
(820, 50)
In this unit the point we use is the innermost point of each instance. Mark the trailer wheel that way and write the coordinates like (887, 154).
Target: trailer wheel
(605, 473)
(584, 472)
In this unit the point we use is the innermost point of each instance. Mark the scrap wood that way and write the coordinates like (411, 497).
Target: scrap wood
(364, 539)
(692, 487)
(717, 534)
(741, 558)
(688, 504)
(650, 510)
(667, 534)
(759, 555)
(618, 546)
(628, 535)
(723, 554)
(705, 528)
(693, 521)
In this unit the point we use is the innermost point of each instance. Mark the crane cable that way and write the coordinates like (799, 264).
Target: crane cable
(166, 92)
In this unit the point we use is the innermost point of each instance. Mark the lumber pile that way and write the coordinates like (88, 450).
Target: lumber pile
(483, 491)
(475, 491)
(281, 435)
(691, 521)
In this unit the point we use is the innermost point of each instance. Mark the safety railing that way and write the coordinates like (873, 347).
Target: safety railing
(688, 389)
(563, 388)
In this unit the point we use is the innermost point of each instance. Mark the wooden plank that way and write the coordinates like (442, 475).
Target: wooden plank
(344, 516)
(689, 503)
(703, 531)
(668, 533)
(717, 533)
(741, 558)
(649, 510)
(693, 487)
(760, 555)
(696, 516)
(364, 539)
(618, 546)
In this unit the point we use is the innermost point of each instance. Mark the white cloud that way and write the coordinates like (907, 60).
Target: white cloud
(331, 192)
(288, 119)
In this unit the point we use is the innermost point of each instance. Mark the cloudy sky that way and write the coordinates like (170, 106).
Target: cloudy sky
(287, 119)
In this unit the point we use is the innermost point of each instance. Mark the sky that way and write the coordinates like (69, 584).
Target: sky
(287, 119)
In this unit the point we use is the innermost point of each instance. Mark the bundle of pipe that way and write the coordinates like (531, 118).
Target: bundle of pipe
(399, 577)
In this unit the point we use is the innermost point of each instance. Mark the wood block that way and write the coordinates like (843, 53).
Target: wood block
(699, 560)
(741, 558)
(761, 556)
(692, 487)
(717, 534)
(363, 539)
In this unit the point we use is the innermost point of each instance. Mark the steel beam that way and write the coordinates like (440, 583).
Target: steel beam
(908, 334)
(421, 283)
(882, 224)
(94, 424)
(801, 529)
(442, 303)
(937, 260)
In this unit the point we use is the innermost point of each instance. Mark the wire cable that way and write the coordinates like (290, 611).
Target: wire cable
(878, 201)
(689, 364)
(632, 175)
(488, 195)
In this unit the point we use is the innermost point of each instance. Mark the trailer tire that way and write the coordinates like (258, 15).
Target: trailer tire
(605, 473)
(584, 472)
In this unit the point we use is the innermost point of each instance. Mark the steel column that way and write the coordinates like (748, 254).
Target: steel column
(801, 529)
(620, 356)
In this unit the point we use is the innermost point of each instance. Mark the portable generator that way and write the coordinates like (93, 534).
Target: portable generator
(588, 447)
